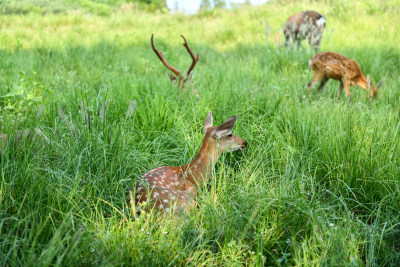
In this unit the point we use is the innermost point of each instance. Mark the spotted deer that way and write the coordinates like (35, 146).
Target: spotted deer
(172, 189)
(330, 65)
(304, 25)
(177, 78)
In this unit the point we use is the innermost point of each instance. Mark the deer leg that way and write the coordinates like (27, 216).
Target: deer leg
(318, 76)
(298, 43)
(317, 43)
(340, 90)
(288, 39)
(314, 40)
(346, 85)
(310, 40)
(323, 82)
(286, 43)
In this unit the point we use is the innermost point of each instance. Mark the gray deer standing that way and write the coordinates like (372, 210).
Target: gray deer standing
(304, 25)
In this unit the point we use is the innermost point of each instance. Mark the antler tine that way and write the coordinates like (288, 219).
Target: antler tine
(161, 57)
(195, 59)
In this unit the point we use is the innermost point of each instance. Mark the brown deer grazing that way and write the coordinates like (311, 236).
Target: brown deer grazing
(338, 67)
(306, 24)
(178, 77)
(171, 189)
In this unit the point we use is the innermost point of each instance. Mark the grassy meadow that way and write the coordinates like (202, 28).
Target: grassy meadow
(319, 183)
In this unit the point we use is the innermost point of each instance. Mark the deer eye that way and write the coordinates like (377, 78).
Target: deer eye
(230, 135)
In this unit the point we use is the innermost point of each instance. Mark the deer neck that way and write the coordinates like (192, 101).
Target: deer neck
(362, 82)
(199, 170)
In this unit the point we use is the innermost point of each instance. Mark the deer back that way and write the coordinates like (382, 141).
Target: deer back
(301, 23)
(164, 187)
(336, 66)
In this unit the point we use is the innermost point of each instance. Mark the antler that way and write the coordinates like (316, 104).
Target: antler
(161, 57)
(194, 59)
(179, 77)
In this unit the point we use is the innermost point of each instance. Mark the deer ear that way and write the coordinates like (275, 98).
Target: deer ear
(171, 77)
(368, 82)
(226, 127)
(208, 123)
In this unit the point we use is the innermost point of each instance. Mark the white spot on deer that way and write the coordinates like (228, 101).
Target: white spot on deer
(167, 209)
(161, 206)
(321, 22)
(165, 200)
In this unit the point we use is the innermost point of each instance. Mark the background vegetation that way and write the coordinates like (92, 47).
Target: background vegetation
(97, 7)
(318, 185)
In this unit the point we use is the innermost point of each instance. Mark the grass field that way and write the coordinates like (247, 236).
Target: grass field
(319, 183)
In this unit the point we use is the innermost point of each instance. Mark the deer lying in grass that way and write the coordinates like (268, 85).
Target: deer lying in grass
(332, 65)
(173, 188)
(304, 25)
(178, 77)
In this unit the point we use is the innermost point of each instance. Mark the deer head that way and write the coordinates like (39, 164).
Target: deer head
(177, 77)
(373, 90)
(226, 141)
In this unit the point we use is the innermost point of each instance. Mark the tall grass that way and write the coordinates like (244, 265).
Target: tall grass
(318, 185)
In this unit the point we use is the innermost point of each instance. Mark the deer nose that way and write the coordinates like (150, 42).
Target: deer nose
(244, 144)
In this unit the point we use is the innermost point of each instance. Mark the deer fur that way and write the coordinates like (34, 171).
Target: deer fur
(330, 65)
(304, 25)
(174, 188)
